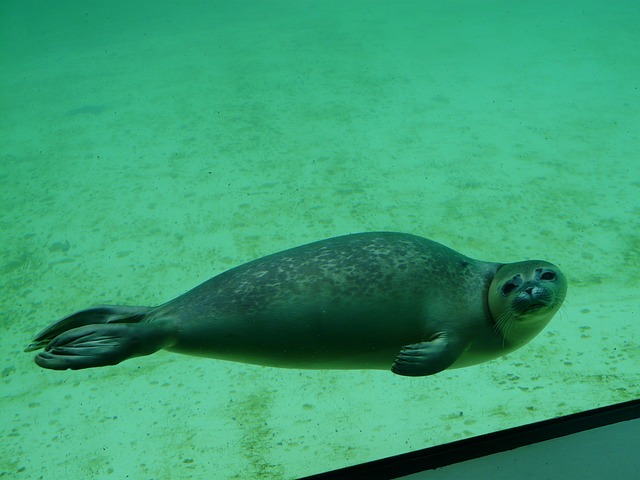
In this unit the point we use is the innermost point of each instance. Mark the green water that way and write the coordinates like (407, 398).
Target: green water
(146, 146)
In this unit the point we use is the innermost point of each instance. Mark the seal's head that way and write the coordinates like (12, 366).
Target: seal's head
(523, 297)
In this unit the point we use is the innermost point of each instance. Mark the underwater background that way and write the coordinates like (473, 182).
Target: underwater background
(147, 146)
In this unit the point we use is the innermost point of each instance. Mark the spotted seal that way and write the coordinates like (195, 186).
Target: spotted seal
(377, 300)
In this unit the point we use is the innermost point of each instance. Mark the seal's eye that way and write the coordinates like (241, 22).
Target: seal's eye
(508, 287)
(548, 275)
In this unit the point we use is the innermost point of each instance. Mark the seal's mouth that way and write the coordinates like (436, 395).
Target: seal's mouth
(525, 304)
(534, 307)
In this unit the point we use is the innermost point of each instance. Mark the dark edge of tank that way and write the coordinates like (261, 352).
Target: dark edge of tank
(484, 445)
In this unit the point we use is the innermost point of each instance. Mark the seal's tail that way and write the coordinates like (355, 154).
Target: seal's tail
(91, 316)
(99, 336)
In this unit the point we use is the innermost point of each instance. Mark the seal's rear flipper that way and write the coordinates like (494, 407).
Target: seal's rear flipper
(108, 344)
(91, 316)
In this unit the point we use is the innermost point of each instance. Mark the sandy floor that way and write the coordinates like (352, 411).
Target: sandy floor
(145, 150)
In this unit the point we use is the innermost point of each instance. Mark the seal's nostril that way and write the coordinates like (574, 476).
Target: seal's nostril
(529, 290)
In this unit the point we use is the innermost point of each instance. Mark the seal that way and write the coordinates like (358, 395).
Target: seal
(375, 300)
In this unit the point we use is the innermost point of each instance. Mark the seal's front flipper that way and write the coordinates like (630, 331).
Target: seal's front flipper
(427, 358)
(91, 316)
(100, 345)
